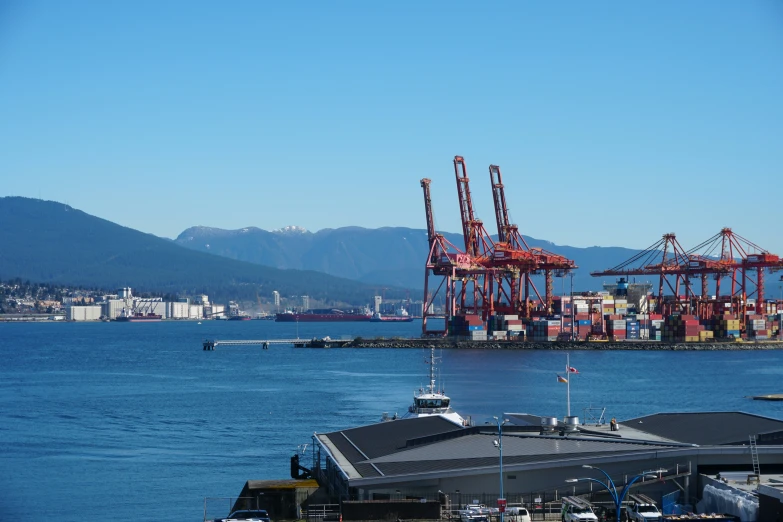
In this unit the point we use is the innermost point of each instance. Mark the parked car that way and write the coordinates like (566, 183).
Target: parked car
(517, 514)
(247, 515)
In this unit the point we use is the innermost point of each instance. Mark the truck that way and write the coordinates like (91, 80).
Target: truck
(642, 509)
(577, 509)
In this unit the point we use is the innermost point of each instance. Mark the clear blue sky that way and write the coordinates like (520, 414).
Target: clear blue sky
(613, 122)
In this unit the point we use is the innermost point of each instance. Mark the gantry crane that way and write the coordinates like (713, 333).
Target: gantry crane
(739, 259)
(453, 266)
(658, 260)
(512, 249)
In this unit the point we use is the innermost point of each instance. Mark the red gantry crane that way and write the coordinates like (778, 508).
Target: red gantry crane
(666, 259)
(512, 250)
(453, 266)
(725, 254)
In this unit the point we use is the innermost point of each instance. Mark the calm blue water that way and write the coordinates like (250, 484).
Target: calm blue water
(138, 421)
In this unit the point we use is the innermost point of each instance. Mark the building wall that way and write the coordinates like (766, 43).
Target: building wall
(196, 312)
(177, 310)
(113, 307)
(83, 313)
(548, 483)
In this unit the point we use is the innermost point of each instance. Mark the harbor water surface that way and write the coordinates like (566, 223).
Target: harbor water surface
(113, 421)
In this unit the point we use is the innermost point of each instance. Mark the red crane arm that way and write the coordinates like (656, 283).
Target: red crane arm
(466, 207)
(499, 196)
(425, 184)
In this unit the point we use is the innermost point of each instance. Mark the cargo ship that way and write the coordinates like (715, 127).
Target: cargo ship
(325, 316)
(239, 318)
(139, 318)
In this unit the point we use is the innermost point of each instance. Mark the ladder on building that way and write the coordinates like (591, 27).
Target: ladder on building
(754, 455)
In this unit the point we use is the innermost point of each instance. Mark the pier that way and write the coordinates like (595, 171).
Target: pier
(211, 344)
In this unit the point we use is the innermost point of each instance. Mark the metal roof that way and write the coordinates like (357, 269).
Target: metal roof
(379, 439)
(709, 428)
(432, 444)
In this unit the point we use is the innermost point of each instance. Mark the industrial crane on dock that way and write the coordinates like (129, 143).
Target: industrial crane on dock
(452, 265)
(725, 254)
(512, 250)
(658, 260)
(742, 260)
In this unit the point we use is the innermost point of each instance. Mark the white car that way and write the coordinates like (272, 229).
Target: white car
(513, 514)
(644, 513)
(577, 513)
(248, 515)
(475, 513)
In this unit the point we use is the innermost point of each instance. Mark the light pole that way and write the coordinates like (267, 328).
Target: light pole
(499, 445)
(609, 486)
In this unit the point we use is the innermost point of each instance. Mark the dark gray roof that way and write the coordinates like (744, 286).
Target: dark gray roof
(383, 438)
(411, 446)
(451, 454)
(524, 419)
(710, 428)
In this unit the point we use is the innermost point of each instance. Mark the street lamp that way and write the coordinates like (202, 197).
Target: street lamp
(609, 486)
(499, 445)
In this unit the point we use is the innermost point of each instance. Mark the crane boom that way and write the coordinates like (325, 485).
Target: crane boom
(425, 184)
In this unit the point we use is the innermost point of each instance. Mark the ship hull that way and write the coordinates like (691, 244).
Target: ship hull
(140, 319)
(320, 318)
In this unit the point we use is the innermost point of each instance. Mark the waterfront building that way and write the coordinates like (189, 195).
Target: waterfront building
(83, 313)
(542, 457)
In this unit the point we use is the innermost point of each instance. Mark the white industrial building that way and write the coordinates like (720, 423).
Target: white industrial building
(196, 311)
(177, 310)
(83, 313)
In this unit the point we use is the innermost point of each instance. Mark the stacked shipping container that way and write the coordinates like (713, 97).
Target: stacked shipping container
(468, 326)
(682, 329)
(544, 330)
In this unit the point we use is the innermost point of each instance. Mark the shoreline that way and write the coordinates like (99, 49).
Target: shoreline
(553, 345)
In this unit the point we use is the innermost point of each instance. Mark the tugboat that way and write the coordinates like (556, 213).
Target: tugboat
(432, 401)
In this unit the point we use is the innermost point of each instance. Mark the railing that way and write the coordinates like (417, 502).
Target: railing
(322, 513)
(213, 511)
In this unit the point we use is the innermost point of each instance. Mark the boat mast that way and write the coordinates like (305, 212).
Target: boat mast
(568, 385)
(432, 369)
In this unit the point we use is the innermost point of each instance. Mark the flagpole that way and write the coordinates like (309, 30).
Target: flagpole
(568, 384)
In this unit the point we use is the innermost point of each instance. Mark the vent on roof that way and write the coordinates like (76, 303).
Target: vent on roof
(548, 425)
(571, 424)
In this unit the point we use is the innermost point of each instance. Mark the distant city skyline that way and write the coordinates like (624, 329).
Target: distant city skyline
(613, 122)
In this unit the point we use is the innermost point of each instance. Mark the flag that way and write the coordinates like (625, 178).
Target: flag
(571, 369)
(561, 379)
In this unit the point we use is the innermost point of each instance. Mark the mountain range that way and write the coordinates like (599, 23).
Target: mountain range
(390, 256)
(47, 241)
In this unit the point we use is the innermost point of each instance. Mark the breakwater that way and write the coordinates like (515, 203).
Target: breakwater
(522, 345)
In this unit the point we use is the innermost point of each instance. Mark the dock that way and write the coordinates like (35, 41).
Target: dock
(211, 344)
(772, 397)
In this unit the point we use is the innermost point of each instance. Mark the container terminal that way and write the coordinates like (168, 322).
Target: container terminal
(711, 292)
